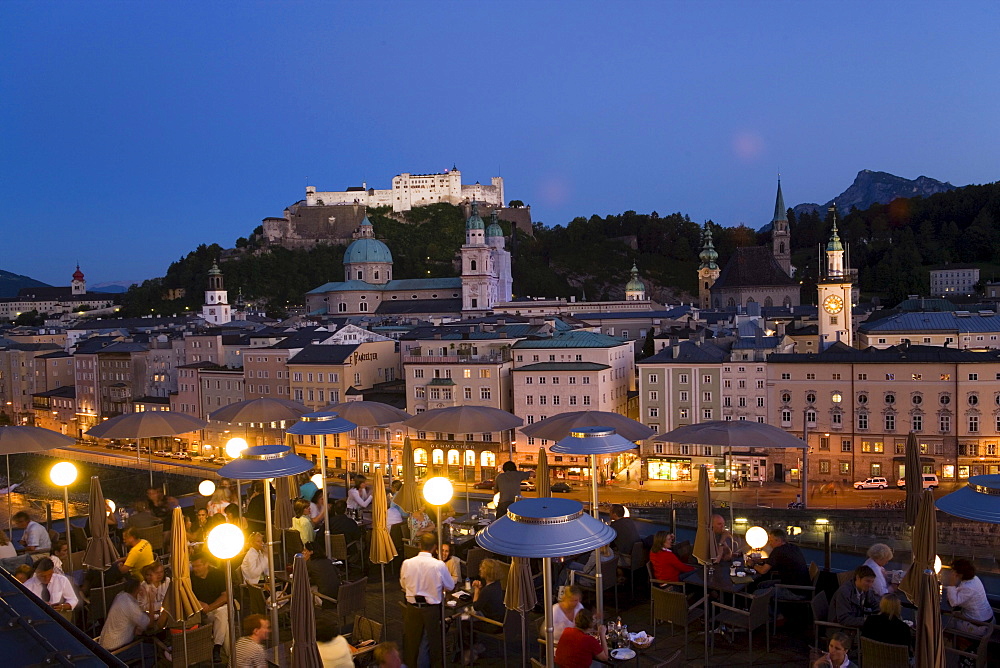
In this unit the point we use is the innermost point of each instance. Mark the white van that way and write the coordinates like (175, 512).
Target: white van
(930, 481)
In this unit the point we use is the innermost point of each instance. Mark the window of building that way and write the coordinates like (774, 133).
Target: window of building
(945, 424)
(467, 392)
(654, 395)
(706, 379)
(653, 378)
(586, 400)
(890, 422)
(786, 417)
(862, 376)
(824, 466)
(824, 442)
(485, 393)
(846, 445)
(845, 468)
(862, 421)
(917, 422)
(706, 396)
(654, 412)
(684, 414)
(973, 424)
(945, 399)
(973, 376)
(973, 399)
(786, 376)
(683, 378)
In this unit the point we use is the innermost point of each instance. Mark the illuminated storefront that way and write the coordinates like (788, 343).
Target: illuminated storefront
(668, 468)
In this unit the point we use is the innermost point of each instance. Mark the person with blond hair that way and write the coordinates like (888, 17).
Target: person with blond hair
(7, 548)
(888, 625)
(879, 555)
(564, 612)
(154, 588)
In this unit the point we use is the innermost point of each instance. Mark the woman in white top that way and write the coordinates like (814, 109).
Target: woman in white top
(965, 590)
(153, 588)
(7, 548)
(564, 612)
(254, 564)
(879, 555)
(217, 504)
(359, 496)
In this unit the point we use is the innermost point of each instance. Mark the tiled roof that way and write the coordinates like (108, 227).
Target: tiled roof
(842, 354)
(401, 284)
(563, 366)
(676, 312)
(573, 339)
(441, 381)
(125, 347)
(688, 351)
(323, 354)
(404, 306)
(934, 322)
(752, 266)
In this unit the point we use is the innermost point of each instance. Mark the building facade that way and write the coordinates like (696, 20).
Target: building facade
(413, 190)
(954, 280)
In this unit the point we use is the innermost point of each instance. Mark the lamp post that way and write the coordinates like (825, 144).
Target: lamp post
(234, 448)
(225, 541)
(63, 475)
(437, 492)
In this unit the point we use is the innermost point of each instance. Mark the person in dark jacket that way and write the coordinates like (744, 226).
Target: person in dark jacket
(626, 533)
(323, 573)
(855, 601)
(888, 626)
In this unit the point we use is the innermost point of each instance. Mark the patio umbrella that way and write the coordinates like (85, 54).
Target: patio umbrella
(262, 411)
(322, 424)
(930, 634)
(284, 491)
(978, 500)
(542, 483)
(16, 440)
(559, 426)
(912, 473)
(924, 545)
(382, 550)
(101, 553)
(520, 596)
(180, 603)
(305, 653)
(372, 414)
(706, 551)
(261, 462)
(409, 499)
(594, 441)
(542, 529)
(147, 424)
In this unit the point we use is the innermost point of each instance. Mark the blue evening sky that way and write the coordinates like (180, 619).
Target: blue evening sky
(130, 132)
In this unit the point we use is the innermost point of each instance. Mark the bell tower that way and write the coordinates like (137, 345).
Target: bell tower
(709, 270)
(834, 292)
(781, 237)
(216, 309)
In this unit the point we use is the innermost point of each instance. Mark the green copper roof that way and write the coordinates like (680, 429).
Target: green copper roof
(214, 271)
(635, 285)
(475, 222)
(835, 244)
(708, 255)
(780, 212)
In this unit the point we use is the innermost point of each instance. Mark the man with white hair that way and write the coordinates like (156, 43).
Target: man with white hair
(879, 555)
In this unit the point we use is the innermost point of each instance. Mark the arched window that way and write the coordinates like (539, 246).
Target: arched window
(750, 300)
(472, 265)
(781, 247)
(786, 302)
(376, 274)
(470, 457)
(488, 459)
(768, 302)
(454, 457)
(731, 302)
(717, 302)
(420, 456)
(437, 456)
(706, 285)
(319, 202)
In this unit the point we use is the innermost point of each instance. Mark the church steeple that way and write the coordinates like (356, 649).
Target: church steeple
(709, 270)
(834, 292)
(781, 237)
(780, 212)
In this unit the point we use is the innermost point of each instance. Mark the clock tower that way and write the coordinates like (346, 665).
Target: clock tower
(834, 288)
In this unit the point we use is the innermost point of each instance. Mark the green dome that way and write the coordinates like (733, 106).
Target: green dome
(367, 250)
(834, 244)
(708, 255)
(494, 230)
(214, 271)
(635, 285)
(475, 222)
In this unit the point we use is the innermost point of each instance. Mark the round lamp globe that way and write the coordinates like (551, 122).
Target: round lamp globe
(225, 541)
(206, 488)
(235, 446)
(438, 491)
(63, 474)
(756, 537)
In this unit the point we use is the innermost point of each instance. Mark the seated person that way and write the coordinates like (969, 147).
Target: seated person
(125, 618)
(967, 596)
(888, 626)
(488, 594)
(666, 565)
(577, 648)
(233, 516)
(209, 586)
(60, 555)
(785, 564)
(855, 600)
(323, 574)
(879, 555)
(140, 554)
(317, 508)
(453, 563)
(420, 522)
(334, 650)
(626, 533)
(564, 612)
(34, 537)
(386, 655)
(836, 656)
(154, 588)
(142, 518)
(590, 568)
(301, 521)
(725, 543)
(7, 548)
(340, 523)
(254, 565)
(23, 573)
(51, 587)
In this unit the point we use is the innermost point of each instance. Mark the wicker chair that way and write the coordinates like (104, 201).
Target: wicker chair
(609, 576)
(351, 599)
(97, 611)
(875, 654)
(675, 660)
(977, 652)
(292, 541)
(340, 550)
(638, 559)
(821, 612)
(186, 649)
(153, 534)
(673, 607)
(365, 630)
(756, 616)
(472, 561)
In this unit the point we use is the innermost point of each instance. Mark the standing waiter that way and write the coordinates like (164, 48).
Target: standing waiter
(424, 578)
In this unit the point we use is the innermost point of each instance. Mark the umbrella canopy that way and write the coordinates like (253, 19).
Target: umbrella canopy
(930, 637)
(520, 594)
(101, 553)
(260, 410)
(542, 482)
(382, 550)
(545, 527)
(924, 546)
(305, 653)
(464, 420)
(705, 549)
(408, 498)
(979, 500)
(600, 440)
(559, 426)
(147, 424)
(912, 472)
(19, 439)
(180, 602)
(734, 434)
(265, 461)
(368, 413)
(284, 491)
(315, 424)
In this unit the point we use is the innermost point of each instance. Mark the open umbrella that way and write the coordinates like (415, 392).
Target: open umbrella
(101, 553)
(147, 424)
(382, 550)
(706, 551)
(912, 472)
(978, 500)
(15, 440)
(542, 483)
(259, 411)
(559, 426)
(305, 653)
(372, 414)
(542, 529)
(409, 499)
(520, 596)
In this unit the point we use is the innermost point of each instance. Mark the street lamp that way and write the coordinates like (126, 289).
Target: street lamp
(206, 488)
(225, 541)
(437, 492)
(235, 446)
(63, 475)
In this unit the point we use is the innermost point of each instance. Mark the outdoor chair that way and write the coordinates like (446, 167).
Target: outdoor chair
(976, 652)
(673, 607)
(609, 576)
(340, 550)
(675, 660)
(875, 654)
(821, 611)
(410, 551)
(148, 651)
(292, 541)
(844, 576)
(189, 648)
(472, 561)
(795, 596)
(153, 534)
(500, 633)
(364, 630)
(756, 616)
(351, 601)
(99, 601)
(638, 559)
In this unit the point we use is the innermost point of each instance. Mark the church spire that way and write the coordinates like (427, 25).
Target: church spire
(780, 212)
(708, 255)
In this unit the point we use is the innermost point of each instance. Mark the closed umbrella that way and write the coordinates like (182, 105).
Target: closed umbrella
(101, 553)
(542, 482)
(408, 498)
(912, 473)
(520, 595)
(305, 653)
(559, 426)
(930, 633)
(16, 439)
(147, 424)
(382, 550)
(706, 551)
(180, 603)
(924, 545)
(284, 492)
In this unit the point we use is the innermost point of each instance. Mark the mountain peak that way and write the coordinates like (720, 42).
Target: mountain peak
(871, 187)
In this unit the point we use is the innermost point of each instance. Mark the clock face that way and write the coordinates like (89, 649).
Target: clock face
(833, 304)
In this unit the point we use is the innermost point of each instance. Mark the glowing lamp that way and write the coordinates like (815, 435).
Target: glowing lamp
(627, 513)
(937, 564)
(225, 541)
(317, 480)
(206, 488)
(111, 506)
(438, 491)
(235, 446)
(822, 520)
(740, 520)
(756, 537)
(63, 474)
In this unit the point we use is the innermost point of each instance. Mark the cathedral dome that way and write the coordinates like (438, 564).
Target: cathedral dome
(367, 250)
(77, 275)
(494, 230)
(635, 285)
(475, 222)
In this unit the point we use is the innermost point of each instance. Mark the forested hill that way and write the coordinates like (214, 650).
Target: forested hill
(892, 245)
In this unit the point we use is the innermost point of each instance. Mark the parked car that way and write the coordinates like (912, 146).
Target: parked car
(527, 485)
(561, 487)
(930, 481)
(181, 455)
(872, 483)
(161, 453)
(484, 484)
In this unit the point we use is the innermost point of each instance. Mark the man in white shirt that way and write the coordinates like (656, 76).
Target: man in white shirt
(125, 618)
(51, 587)
(35, 537)
(254, 566)
(424, 579)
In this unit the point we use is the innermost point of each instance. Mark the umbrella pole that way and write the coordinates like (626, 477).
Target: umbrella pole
(547, 595)
(384, 618)
(704, 593)
(10, 509)
(326, 499)
(595, 510)
(231, 613)
(729, 472)
(273, 603)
